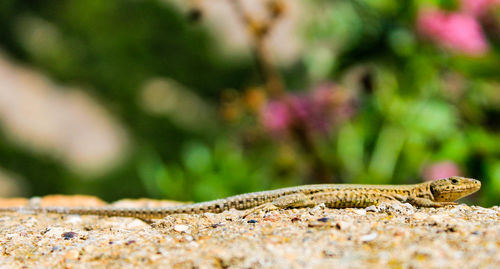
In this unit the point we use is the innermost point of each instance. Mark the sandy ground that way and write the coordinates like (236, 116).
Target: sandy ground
(387, 236)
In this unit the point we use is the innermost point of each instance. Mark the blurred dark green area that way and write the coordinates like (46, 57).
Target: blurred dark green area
(417, 105)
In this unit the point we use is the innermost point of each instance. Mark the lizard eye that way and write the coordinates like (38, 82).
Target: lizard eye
(454, 181)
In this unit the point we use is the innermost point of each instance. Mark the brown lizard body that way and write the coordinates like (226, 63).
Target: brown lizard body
(429, 194)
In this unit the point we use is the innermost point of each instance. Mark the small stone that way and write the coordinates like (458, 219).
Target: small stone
(436, 218)
(73, 219)
(395, 207)
(137, 224)
(35, 201)
(252, 221)
(360, 212)
(368, 237)
(321, 206)
(419, 216)
(372, 208)
(316, 224)
(10, 235)
(458, 209)
(341, 225)
(71, 255)
(215, 225)
(408, 207)
(53, 232)
(181, 228)
(68, 235)
(486, 211)
(400, 233)
(317, 208)
(324, 219)
(31, 222)
(89, 249)
(450, 229)
(272, 218)
(458, 254)
(209, 215)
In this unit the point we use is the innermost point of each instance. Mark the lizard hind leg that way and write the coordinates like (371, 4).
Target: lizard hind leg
(287, 201)
(293, 200)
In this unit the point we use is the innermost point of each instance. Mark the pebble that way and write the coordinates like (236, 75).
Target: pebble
(34, 201)
(397, 208)
(459, 209)
(324, 219)
(181, 228)
(360, 212)
(272, 217)
(436, 218)
(316, 224)
(137, 224)
(53, 232)
(368, 237)
(409, 208)
(71, 254)
(68, 235)
(73, 219)
(341, 225)
(485, 211)
(31, 222)
(10, 235)
(89, 248)
(419, 216)
(318, 208)
(372, 208)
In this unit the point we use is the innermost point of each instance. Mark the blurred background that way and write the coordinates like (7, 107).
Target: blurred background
(197, 100)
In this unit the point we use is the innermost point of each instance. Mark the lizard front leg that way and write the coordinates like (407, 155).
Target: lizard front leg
(424, 202)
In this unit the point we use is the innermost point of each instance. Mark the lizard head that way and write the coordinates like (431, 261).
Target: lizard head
(453, 188)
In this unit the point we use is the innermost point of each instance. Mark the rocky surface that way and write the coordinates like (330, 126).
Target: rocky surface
(385, 236)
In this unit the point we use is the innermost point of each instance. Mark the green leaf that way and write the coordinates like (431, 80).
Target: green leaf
(197, 157)
(350, 149)
(386, 154)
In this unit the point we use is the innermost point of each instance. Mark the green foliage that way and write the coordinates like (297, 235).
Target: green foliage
(204, 173)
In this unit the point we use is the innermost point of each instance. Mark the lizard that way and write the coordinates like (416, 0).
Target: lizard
(435, 193)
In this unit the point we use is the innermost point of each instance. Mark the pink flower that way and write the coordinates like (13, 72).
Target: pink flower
(275, 117)
(440, 170)
(458, 32)
(478, 7)
(323, 95)
(315, 111)
(309, 113)
(335, 102)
